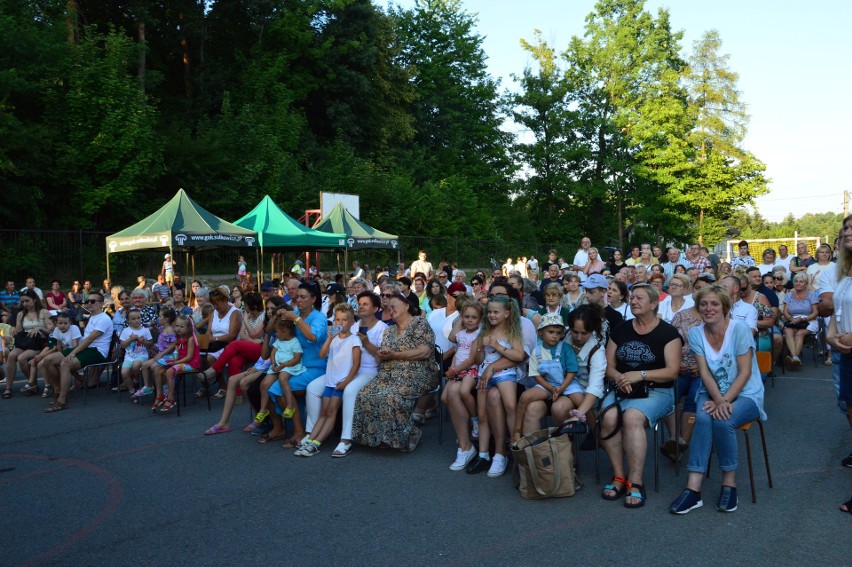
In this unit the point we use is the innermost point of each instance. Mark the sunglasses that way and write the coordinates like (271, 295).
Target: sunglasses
(778, 279)
(91, 301)
(443, 276)
(493, 295)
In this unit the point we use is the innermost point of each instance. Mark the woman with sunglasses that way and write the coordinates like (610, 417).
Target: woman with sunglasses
(33, 320)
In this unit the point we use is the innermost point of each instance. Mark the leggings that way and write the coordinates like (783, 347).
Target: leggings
(236, 355)
(313, 401)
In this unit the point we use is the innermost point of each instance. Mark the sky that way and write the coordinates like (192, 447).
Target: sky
(794, 61)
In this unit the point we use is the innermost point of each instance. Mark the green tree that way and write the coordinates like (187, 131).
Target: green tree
(725, 176)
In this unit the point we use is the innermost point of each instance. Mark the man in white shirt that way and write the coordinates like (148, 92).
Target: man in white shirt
(508, 267)
(357, 270)
(60, 368)
(741, 310)
(581, 258)
(421, 266)
(32, 286)
(675, 259)
(532, 264)
(784, 259)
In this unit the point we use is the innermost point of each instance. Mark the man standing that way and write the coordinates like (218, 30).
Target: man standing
(712, 258)
(634, 256)
(581, 258)
(744, 260)
(421, 266)
(695, 258)
(60, 368)
(532, 265)
(508, 267)
(784, 259)
(357, 270)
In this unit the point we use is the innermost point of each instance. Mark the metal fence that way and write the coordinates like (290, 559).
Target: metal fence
(69, 255)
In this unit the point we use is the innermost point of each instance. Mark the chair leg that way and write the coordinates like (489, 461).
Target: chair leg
(654, 433)
(750, 466)
(765, 453)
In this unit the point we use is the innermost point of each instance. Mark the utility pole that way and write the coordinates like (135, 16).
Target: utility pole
(845, 204)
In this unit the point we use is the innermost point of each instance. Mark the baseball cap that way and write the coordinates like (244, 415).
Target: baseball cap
(267, 286)
(334, 289)
(595, 281)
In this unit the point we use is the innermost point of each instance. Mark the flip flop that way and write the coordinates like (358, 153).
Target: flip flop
(291, 443)
(266, 438)
(342, 450)
(55, 407)
(215, 430)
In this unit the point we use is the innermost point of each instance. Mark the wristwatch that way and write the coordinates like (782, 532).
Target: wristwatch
(643, 374)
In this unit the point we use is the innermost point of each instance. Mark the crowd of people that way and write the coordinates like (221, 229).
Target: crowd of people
(615, 343)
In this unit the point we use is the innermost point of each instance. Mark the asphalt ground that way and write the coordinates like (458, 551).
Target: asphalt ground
(110, 483)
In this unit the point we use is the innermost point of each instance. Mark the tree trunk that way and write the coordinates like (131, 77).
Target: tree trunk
(71, 13)
(701, 227)
(140, 38)
(184, 46)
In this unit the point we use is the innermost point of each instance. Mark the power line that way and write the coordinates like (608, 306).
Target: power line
(794, 198)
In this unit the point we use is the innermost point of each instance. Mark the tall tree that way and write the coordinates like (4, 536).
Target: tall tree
(725, 176)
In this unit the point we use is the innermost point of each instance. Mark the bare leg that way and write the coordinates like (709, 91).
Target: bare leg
(536, 411)
(66, 378)
(635, 446)
(530, 396)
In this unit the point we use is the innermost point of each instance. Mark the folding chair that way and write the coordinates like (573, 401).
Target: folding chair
(110, 365)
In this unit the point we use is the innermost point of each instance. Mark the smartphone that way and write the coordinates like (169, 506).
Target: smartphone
(362, 330)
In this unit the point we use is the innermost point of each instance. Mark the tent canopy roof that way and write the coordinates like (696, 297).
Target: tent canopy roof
(277, 229)
(359, 235)
(180, 224)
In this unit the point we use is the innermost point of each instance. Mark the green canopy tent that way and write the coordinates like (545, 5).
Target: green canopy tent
(359, 235)
(277, 229)
(181, 224)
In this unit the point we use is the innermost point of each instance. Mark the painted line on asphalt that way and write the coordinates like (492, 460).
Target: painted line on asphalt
(114, 497)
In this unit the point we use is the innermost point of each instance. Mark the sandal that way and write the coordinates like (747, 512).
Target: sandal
(267, 438)
(201, 393)
(30, 390)
(845, 507)
(7, 393)
(220, 395)
(168, 405)
(55, 407)
(619, 492)
(251, 427)
(215, 430)
(635, 491)
(288, 413)
(342, 450)
(292, 443)
(258, 419)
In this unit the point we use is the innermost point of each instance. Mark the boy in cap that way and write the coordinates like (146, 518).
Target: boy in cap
(553, 365)
(168, 271)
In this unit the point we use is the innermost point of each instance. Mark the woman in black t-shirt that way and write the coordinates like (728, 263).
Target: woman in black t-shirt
(643, 359)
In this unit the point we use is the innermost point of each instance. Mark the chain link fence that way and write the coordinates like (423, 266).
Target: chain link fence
(69, 255)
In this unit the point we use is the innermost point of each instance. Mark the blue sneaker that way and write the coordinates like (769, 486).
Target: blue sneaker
(687, 501)
(727, 499)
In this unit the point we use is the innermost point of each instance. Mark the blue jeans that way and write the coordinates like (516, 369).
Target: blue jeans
(709, 431)
(835, 376)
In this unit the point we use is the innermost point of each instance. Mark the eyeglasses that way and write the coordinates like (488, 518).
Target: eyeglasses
(387, 295)
(443, 276)
(493, 295)
(91, 301)
(675, 285)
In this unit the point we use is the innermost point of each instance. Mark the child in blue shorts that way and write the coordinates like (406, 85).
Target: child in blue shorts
(553, 365)
(344, 359)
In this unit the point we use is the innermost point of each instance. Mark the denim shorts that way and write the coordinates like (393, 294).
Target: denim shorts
(658, 404)
(573, 388)
(330, 392)
(508, 377)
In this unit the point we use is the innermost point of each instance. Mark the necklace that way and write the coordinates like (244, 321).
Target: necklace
(253, 323)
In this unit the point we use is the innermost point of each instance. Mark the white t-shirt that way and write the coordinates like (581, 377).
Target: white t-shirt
(465, 340)
(438, 321)
(581, 258)
(100, 322)
(665, 310)
(340, 358)
(827, 280)
(767, 268)
(745, 312)
(370, 365)
(843, 305)
(814, 270)
(65, 338)
(136, 349)
(779, 261)
(533, 264)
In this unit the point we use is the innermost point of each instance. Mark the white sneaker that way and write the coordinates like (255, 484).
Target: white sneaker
(463, 458)
(498, 466)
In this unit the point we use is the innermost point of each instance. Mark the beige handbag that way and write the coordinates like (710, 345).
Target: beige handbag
(545, 464)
